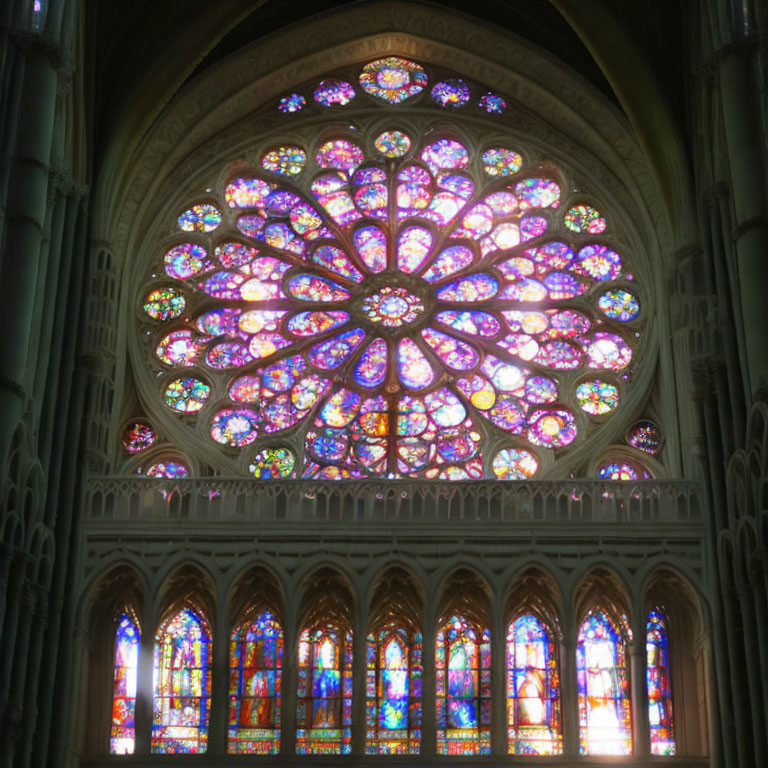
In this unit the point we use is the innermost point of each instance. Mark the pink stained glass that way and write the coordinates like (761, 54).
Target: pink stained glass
(311, 288)
(313, 323)
(138, 436)
(186, 260)
(337, 261)
(445, 154)
(598, 262)
(246, 193)
(552, 428)
(235, 426)
(583, 219)
(413, 246)
(645, 436)
(333, 92)
(448, 272)
(413, 368)
(122, 735)
(372, 368)
(475, 288)
(393, 79)
(658, 685)
(371, 245)
(340, 154)
(451, 93)
(538, 193)
(454, 353)
(331, 354)
(515, 464)
(607, 351)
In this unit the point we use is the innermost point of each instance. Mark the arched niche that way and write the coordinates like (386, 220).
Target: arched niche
(121, 589)
(672, 594)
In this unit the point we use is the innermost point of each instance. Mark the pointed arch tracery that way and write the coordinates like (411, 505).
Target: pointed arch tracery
(182, 682)
(256, 647)
(534, 721)
(394, 666)
(463, 667)
(325, 656)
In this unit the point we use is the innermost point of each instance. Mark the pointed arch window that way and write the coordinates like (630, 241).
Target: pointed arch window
(182, 684)
(463, 661)
(255, 667)
(605, 717)
(533, 689)
(658, 685)
(393, 692)
(324, 707)
(127, 639)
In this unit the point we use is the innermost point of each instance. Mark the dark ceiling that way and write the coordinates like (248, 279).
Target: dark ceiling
(124, 60)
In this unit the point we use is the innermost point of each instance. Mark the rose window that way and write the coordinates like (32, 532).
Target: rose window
(385, 307)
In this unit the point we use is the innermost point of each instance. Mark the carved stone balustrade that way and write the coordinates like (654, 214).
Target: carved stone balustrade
(201, 500)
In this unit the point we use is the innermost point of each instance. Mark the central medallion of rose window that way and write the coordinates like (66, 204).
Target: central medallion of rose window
(393, 307)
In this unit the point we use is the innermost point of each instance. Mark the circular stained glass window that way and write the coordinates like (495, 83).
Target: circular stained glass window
(387, 306)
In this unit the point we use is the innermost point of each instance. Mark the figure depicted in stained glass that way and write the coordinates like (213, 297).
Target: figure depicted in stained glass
(393, 692)
(182, 684)
(324, 699)
(127, 639)
(533, 695)
(659, 688)
(463, 661)
(605, 716)
(393, 310)
(255, 661)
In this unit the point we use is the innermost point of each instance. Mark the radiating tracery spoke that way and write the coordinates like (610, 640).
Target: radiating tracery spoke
(392, 314)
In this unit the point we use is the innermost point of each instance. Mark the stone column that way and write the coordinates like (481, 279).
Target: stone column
(751, 653)
(498, 682)
(144, 689)
(737, 679)
(25, 222)
(742, 119)
(35, 667)
(569, 693)
(641, 729)
(359, 676)
(219, 705)
(289, 682)
(428, 686)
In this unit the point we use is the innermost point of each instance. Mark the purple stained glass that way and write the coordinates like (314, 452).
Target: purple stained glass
(332, 92)
(451, 93)
(292, 103)
(493, 104)
(474, 288)
(418, 308)
(393, 79)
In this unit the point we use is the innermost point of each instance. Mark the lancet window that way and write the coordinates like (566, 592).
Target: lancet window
(605, 717)
(533, 689)
(463, 661)
(255, 667)
(182, 683)
(394, 668)
(127, 641)
(658, 684)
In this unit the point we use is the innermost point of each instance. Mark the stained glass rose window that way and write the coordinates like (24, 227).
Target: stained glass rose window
(391, 306)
